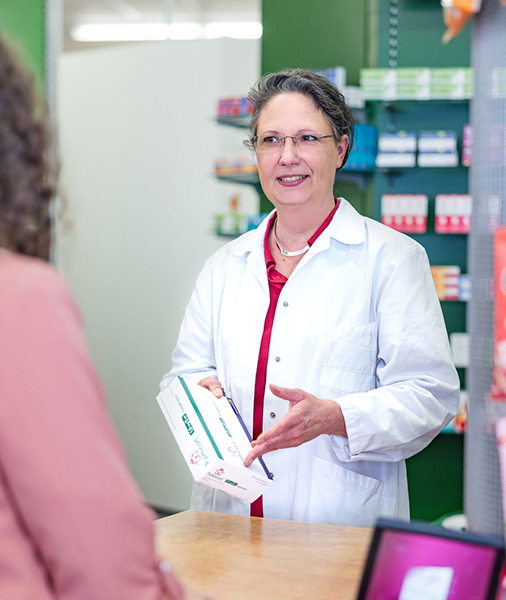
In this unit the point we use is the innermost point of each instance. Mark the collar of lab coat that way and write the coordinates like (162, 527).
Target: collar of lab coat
(347, 227)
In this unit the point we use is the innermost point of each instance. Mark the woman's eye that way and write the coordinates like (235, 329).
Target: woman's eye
(308, 137)
(271, 139)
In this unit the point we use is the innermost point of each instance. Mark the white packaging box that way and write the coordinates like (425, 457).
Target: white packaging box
(386, 160)
(212, 440)
(402, 141)
(437, 141)
(435, 159)
(459, 343)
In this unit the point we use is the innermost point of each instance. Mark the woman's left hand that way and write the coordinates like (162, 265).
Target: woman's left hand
(307, 418)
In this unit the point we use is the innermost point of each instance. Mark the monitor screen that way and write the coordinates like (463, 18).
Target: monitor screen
(405, 564)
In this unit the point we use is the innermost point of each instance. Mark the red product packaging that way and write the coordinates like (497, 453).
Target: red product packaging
(498, 389)
(405, 212)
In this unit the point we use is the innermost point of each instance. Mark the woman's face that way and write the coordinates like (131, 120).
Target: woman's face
(291, 176)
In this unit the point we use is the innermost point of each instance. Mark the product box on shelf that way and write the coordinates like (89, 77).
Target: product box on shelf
(228, 165)
(453, 213)
(396, 149)
(467, 145)
(451, 84)
(437, 149)
(405, 212)
(459, 423)
(413, 84)
(465, 287)
(459, 345)
(365, 146)
(446, 279)
(213, 440)
(234, 107)
(354, 97)
(416, 84)
(337, 75)
(378, 84)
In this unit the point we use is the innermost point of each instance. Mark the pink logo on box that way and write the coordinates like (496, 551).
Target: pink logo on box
(195, 458)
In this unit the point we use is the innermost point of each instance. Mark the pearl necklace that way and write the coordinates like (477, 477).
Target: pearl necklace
(285, 252)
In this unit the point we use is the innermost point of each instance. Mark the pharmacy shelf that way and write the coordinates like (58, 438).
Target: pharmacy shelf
(359, 178)
(245, 178)
(241, 122)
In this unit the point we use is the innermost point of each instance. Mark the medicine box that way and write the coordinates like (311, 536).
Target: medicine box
(446, 280)
(212, 440)
(453, 213)
(337, 75)
(405, 212)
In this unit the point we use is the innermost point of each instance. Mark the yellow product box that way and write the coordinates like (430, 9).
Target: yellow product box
(213, 440)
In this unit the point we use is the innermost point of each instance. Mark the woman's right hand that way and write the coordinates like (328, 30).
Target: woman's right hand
(213, 385)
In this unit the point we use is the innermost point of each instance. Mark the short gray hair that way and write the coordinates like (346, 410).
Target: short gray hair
(327, 98)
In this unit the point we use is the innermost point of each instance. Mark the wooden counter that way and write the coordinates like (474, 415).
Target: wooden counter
(243, 558)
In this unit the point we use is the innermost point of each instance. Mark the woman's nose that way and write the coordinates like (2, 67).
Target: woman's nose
(289, 153)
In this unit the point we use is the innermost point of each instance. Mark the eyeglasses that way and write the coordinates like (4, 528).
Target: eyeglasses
(303, 142)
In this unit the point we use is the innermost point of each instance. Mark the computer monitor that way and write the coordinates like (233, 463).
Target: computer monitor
(420, 561)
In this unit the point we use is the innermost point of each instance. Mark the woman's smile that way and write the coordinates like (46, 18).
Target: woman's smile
(292, 180)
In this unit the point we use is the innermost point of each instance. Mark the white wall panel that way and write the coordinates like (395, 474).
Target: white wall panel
(138, 141)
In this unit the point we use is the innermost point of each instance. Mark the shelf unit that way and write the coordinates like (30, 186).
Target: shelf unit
(435, 475)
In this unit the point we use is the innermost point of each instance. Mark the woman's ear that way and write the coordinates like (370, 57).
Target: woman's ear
(342, 146)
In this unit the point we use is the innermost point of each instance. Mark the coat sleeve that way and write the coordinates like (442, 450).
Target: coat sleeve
(60, 459)
(417, 389)
(194, 355)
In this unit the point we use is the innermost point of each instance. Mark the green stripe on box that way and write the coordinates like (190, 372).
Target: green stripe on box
(201, 418)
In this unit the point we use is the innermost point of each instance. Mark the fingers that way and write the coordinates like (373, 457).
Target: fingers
(213, 385)
(290, 394)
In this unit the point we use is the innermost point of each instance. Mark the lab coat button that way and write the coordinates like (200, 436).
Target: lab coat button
(285, 303)
(277, 359)
(272, 415)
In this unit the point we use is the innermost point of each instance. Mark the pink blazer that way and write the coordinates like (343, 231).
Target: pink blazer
(73, 525)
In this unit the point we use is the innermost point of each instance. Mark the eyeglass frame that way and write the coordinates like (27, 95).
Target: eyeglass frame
(295, 139)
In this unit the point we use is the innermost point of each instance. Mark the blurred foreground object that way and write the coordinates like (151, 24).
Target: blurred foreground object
(456, 14)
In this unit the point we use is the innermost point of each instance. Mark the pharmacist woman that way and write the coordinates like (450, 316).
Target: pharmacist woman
(322, 325)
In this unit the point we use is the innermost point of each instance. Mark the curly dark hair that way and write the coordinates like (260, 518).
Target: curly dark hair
(27, 165)
(327, 98)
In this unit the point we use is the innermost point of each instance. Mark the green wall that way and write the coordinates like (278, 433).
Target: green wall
(315, 35)
(24, 22)
(420, 28)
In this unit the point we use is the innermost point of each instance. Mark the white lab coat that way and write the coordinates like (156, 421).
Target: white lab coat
(358, 321)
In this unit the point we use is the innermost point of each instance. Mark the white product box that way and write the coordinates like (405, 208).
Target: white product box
(438, 159)
(459, 343)
(213, 440)
(354, 97)
(402, 141)
(395, 159)
(437, 141)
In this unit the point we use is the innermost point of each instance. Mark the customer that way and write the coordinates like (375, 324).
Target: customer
(338, 309)
(72, 522)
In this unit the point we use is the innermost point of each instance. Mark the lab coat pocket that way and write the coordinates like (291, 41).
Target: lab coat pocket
(343, 497)
(350, 364)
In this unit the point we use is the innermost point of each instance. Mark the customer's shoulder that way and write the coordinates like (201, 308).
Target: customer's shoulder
(28, 278)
